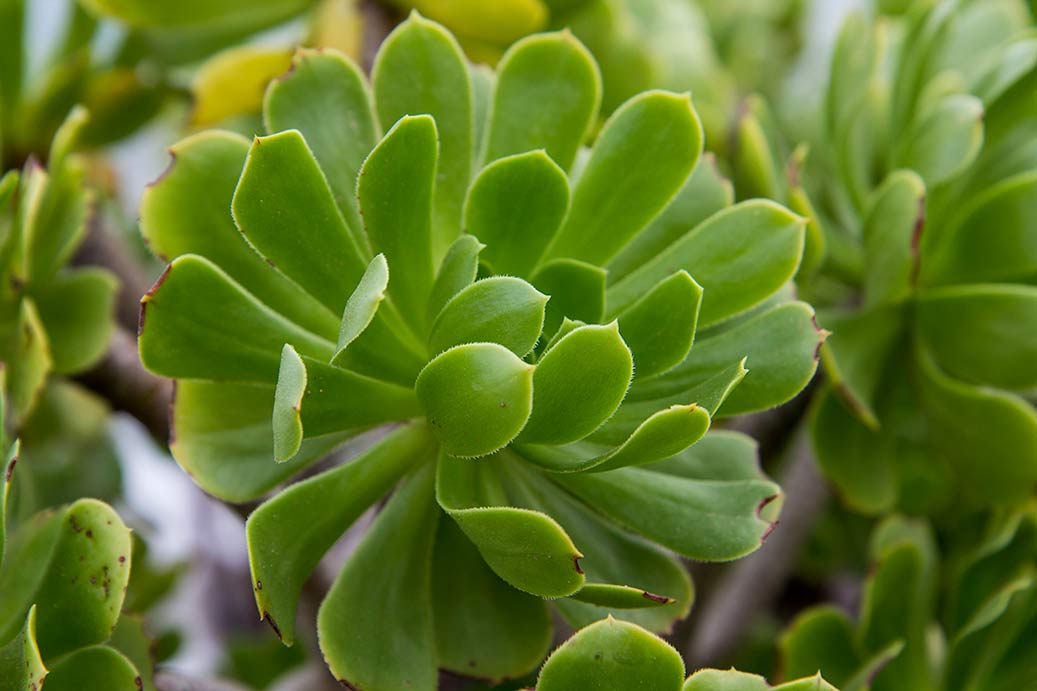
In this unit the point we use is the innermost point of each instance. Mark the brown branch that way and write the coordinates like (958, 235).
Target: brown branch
(752, 584)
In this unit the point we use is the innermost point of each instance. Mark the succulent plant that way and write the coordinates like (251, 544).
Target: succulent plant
(54, 318)
(979, 635)
(511, 395)
(63, 578)
(924, 183)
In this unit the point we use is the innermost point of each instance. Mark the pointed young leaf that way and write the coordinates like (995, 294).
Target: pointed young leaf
(55, 227)
(619, 596)
(420, 69)
(187, 211)
(641, 159)
(385, 588)
(283, 205)
(325, 96)
(197, 323)
(21, 666)
(660, 327)
(983, 333)
(457, 271)
(528, 549)
(500, 309)
(222, 437)
(484, 627)
(28, 360)
(547, 96)
(395, 192)
(363, 303)
(289, 534)
(739, 256)
(76, 309)
(578, 384)
(577, 291)
(477, 397)
(515, 206)
(612, 656)
(313, 399)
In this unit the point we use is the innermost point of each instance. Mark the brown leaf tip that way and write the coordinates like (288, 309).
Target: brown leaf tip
(576, 563)
(662, 599)
(767, 532)
(273, 624)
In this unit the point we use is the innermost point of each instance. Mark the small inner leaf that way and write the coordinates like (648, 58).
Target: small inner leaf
(457, 272)
(363, 303)
(660, 327)
(502, 309)
(477, 397)
(619, 596)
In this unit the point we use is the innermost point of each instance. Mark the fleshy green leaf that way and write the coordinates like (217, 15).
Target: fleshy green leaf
(187, 211)
(821, 639)
(55, 226)
(420, 69)
(477, 397)
(500, 309)
(619, 596)
(222, 437)
(313, 399)
(232, 82)
(641, 159)
(383, 589)
(21, 666)
(484, 627)
(10, 461)
(660, 327)
(577, 385)
(946, 140)
(96, 668)
(527, 549)
(197, 323)
(458, 271)
(283, 187)
(288, 534)
(76, 310)
(363, 303)
(395, 191)
(197, 12)
(983, 333)
(613, 655)
(547, 96)
(691, 504)
(733, 680)
(325, 96)
(577, 291)
(892, 238)
(28, 360)
(739, 256)
(515, 205)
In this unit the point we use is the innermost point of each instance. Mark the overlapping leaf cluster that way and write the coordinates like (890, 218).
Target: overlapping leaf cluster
(477, 277)
(924, 183)
(63, 578)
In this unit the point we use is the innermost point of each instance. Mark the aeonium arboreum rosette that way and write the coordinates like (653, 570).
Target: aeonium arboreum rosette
(324, 282)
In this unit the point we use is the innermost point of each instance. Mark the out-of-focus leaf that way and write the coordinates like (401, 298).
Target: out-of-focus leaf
(613, 655)
(420, 69)
(396, 191)
(526, 548)
(946, 140)
(282, 186)
(577, 385)
(289, 534)
(577, 291)
(197, 12)
(547, 95)
(130, 639)
(76, 310)
(233, 83)
(325, 97)
(313, 399)
(28, 360)
(892, 238)
(96, 668)
(196, 322)
(983, 334)
(484, 627)
(53, 228)
(641, 159)
(500, 22)
(660, 327)
(477, 397)
(733, 680)
(21, 666)
(385, 588)
(500, 309)
(187, 211)
(221, 436)
(12, 32)
(739, 256)
(515, 205)
(821, 640)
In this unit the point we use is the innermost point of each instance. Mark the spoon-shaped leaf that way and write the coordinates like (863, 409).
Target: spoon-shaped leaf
(457, 271)
(76, 310)
(96, 668)
(613, 656)
(660, 327)
(642, 158)
(515, 206)
(577, 291)
(363, 303)
(528, 549)
(420, 69)
(197, 323)
(547, 96)
(733, 680)
(383, 590)
(477, 397)
(500, 309)
(282, 186)
(577, 385)
(289, 534)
